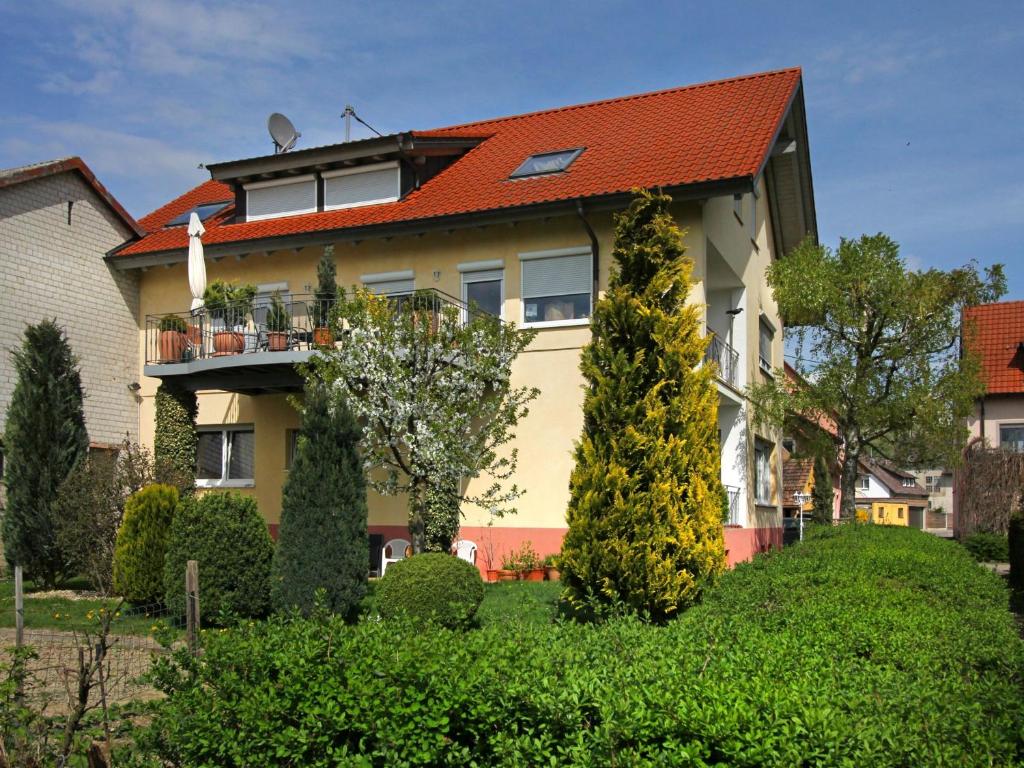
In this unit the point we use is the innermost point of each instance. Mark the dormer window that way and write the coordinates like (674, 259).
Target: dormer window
(280, 197)
(544, 163)
(365, 185)
(204, 212)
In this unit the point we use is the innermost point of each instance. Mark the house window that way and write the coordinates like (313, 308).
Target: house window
(389, 283)
(863, 483)
(899, 512)
(204, 212)
(765, 338)
(367, 185)
(280, 197)
(546, 162)
(762, 472)
(483, 287)
(907, 482)
(225, 457)
(1011, 438)
(556, 287)
(291, 444)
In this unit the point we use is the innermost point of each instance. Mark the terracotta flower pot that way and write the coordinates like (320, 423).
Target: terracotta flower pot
(534, 574)
(492, 574)
(504, 575)
(551, 573)
(172, 346)
(228, 343)
(195, 335)
(277, 341)
(323, 337)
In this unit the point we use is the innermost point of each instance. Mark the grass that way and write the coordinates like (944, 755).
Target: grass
(60, 613)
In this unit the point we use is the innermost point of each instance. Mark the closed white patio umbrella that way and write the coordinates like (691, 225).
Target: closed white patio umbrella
(196, 264)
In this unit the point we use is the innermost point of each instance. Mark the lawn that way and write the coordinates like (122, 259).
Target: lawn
(63, 613)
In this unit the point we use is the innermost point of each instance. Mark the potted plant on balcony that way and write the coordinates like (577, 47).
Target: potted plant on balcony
(279, 324)
(229, 305)
(172, 338)
(324, 299)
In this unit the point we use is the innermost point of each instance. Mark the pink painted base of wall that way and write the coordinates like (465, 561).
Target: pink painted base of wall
(741, 544)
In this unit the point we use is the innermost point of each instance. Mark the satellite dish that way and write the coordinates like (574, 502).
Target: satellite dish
(282, 132)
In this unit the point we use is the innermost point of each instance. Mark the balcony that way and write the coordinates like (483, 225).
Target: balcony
(254, 350)
(724, 357)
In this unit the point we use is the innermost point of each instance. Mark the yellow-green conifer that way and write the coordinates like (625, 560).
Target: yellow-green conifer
(644, 515)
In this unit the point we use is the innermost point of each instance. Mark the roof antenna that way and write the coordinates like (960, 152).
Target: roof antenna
(348, 114)
(282, 132)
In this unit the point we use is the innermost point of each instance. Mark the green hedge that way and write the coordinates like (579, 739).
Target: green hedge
(863, 646)
(226, 535)
(141, 543)
(988, 547)
(433, 586)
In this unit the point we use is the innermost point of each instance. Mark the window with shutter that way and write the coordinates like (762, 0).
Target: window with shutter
(353, 187)
(270, 199)
(556, 287)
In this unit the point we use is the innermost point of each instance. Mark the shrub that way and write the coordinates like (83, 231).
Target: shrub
(820, 655)
(226, 535)
(44, 439)
(174, 441)
(142, 543)
(431, 586)
(988, 547)
(645, 508)
(523, 559)
(322, 541)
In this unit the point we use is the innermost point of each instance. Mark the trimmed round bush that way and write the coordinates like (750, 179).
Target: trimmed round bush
(141, 543)
(988, 547)
(226, 535)
(432, 586)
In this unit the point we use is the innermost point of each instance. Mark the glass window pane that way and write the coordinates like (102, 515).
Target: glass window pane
(551, 308)
(765, 343)
(1012, 438)
(547, 162)
(243, 449)
(485, 295)
(209, 456)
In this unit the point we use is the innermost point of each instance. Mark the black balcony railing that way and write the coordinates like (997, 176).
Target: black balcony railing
(238, 330)
(724, 357)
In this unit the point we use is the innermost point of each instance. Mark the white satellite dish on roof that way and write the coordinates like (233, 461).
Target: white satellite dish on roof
(282, 132)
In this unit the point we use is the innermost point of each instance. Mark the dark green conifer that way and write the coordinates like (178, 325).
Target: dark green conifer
(322, 539)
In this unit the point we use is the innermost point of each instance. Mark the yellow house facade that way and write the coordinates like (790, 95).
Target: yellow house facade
(537, 246)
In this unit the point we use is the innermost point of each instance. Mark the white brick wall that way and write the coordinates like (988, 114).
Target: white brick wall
(50, 269)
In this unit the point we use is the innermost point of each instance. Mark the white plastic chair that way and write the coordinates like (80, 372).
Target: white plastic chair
(466, 550)
(392, 552)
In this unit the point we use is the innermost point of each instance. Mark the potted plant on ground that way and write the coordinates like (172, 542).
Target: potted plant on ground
(229, 305)
(324, 299)
(172, 338)
(551, 572)
(509, 567)
(527, 563)
(279, 324)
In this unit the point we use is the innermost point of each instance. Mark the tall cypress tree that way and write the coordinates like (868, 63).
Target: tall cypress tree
(44, 439)
(644, 516)
(322, 539)
(821, 495)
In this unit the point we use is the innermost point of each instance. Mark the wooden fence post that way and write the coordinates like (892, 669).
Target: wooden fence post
(192, 605)
(19, 608)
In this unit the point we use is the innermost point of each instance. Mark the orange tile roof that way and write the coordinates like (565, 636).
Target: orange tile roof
(994, 332)
(795, 474)
(700, 133)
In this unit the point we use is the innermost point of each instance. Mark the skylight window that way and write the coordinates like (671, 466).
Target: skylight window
(546, 162)
(204, 212)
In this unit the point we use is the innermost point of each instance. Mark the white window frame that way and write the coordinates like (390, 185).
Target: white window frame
(278, 183)
(759, 446)
(864, 482)
(554, 254)
(482, 272)
(225, 457)
(325, 175)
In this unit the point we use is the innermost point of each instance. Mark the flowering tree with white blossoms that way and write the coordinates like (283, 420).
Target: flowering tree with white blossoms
(431, 384)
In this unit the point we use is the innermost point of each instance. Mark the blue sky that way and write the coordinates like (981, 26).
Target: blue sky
(915, 110)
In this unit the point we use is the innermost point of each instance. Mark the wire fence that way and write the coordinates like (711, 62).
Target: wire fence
(70, 637)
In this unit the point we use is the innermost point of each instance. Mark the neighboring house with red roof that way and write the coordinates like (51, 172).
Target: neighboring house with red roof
(516, 215)
(995, 333)
(57, 223)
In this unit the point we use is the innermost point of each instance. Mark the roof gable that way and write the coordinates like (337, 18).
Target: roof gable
(712, 132)
(995, 333)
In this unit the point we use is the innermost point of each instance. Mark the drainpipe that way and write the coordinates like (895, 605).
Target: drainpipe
(595, 253)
